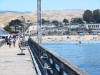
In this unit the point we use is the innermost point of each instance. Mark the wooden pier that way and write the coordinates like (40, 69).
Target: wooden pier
(12, 64)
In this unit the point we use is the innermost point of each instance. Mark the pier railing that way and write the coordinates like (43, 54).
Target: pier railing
(50, 63)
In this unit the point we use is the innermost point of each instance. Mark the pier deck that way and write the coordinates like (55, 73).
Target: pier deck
(12, 64)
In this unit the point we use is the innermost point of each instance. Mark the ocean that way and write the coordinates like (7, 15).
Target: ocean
(86, 55)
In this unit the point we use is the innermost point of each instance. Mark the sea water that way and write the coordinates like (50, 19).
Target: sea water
(85, 55)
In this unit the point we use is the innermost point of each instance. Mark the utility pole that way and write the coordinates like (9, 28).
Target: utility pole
(39, 21)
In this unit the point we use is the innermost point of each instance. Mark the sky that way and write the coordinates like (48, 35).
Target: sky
(31, 5)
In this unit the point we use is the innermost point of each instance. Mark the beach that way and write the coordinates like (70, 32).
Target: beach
(69, 38)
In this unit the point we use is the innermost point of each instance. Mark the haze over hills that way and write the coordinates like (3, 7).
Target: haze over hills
(7, 16)
(17, 12)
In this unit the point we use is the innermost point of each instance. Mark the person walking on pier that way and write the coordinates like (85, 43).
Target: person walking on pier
(6, 40)
(9, 42)
(14, 42)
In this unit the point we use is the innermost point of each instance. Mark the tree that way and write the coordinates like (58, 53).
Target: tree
(65, 21)
(88, 16)
(7, 28)
(96, 16)
(55, 22)
(15, 23)
(45, 21)
(76, 21)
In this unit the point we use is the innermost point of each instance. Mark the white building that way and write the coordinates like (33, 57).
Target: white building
(32, 30)
(93, 26)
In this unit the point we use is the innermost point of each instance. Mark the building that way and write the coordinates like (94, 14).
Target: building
(93, 28)
(77, 29)
(54, 30)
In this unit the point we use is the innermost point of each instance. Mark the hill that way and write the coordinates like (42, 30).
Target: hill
(7, 16)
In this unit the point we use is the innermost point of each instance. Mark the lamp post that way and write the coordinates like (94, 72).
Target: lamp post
(39, 21)
(22, 42)
(23, 21)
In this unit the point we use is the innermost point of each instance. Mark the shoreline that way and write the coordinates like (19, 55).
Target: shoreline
(69, 38)
(76, 42)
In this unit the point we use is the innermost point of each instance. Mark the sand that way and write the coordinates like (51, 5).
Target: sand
(69, 38)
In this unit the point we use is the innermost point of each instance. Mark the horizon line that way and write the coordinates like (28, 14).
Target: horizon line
(46, 10)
